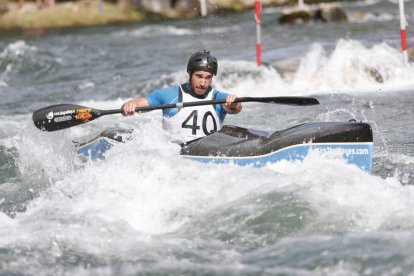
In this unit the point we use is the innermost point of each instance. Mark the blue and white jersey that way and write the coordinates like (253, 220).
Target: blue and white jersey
(189, 123)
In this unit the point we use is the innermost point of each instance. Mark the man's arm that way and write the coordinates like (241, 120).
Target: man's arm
(129, 106)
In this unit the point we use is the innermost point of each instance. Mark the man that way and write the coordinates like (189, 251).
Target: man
(190, 123)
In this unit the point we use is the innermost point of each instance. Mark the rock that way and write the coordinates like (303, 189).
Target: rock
(324, 13)
(371, 71)
(362, 16)
(295, 16)
(410, 53)
(330, 13)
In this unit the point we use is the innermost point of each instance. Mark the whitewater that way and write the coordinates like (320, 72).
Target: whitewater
(146, 210)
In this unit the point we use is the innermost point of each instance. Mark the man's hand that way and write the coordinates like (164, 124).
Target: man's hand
(130, 106)
(232, 107)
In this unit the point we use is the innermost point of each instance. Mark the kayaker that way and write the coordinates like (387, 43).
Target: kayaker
(191, 122)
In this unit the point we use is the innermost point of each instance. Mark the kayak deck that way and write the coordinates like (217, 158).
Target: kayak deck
(248, 147)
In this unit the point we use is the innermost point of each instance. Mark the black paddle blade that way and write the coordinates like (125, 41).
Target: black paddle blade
(289, 100)
(62, 116)
(296, 101)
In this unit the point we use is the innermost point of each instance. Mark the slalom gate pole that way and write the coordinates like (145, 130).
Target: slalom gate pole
(203, 8)
(258, 34)
(403, 24)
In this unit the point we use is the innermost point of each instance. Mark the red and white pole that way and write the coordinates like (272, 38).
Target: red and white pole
(258, 35)
(403, 24)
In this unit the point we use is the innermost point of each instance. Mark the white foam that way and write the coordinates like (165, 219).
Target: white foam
(362, 17)
(13, 125)
(17, 49)
(344, 198)
(350, 68)
(399, 158)
(144, 183)
(157, 30)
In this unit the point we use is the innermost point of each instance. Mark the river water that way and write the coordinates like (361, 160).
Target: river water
(145, 210)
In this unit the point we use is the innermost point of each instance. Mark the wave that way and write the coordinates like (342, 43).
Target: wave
(161, 30)
(244, 206)
(364, 17)
(130, 179)
(350, 67)
(20, 62)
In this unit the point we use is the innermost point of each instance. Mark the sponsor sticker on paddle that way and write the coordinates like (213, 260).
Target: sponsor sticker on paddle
(83, 114)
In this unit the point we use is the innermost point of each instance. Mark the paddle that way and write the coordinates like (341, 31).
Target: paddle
(63, 116)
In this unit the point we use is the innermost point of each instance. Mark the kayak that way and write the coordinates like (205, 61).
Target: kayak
(249, 147)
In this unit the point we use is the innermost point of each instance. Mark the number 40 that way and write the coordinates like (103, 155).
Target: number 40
(194, 126)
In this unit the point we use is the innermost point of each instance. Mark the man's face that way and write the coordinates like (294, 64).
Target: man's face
(200, 81)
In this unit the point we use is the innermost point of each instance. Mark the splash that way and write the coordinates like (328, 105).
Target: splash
(350, 68)
(343, 198)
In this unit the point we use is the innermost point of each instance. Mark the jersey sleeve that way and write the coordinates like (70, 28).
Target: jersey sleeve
(220, 108)
(162, 96)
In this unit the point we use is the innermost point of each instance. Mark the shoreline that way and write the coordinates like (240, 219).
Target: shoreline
(69, 14)
(33, 20)
(87, 13)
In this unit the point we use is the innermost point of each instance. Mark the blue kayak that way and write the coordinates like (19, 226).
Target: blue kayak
(251, 147)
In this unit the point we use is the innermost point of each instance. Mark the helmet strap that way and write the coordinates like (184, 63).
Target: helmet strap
(189, 80)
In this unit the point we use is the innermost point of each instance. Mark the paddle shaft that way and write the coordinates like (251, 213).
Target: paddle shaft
(63, 116)
(302, 101)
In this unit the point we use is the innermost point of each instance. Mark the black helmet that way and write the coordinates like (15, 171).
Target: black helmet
(202, 61)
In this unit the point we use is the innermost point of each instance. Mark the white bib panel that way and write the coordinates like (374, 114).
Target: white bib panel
(193, 122)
